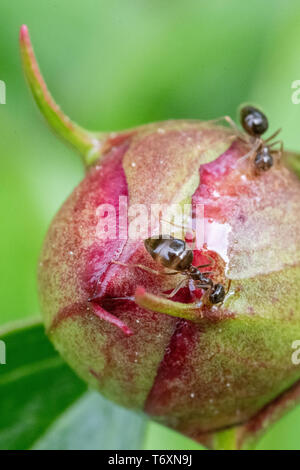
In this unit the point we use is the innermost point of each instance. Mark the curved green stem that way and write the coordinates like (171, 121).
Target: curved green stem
(226, 440)
(167, 306)
(88, 144)
(195, 312)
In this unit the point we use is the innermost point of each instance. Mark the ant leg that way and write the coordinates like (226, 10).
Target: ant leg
(231, 123)
(280, 142)
(144, 268)
(275, 143)
(203, 286)
(273, 135)
(192, 286)
(251, 152)
(195, 286)
(172, 273)
(228, 287)
(279, 152)
(177, 288)
(140, 266)
(281, 149)
(205, 296)
(204, 266)
(108, 299)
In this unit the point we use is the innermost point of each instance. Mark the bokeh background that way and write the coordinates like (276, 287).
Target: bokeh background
(113, 64)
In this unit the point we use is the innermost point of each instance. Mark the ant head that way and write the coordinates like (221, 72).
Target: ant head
(218, 294)
(253, 121)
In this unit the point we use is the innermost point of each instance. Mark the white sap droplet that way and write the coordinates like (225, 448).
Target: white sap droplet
(216, 237)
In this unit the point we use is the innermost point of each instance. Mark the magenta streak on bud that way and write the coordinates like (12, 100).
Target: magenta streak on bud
(106, 316)
(82, 310)
(172, 367)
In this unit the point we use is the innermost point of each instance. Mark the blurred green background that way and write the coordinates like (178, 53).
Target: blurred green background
(113, 64)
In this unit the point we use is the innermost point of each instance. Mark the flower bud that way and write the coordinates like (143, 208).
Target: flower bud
(198, 367)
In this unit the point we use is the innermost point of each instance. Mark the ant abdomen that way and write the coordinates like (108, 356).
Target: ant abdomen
(170, 252)
(254, 121)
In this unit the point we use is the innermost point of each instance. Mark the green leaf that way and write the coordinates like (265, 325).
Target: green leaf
(44, 405)
(94, 423)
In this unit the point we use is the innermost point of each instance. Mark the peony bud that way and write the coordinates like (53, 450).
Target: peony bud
(217, 373)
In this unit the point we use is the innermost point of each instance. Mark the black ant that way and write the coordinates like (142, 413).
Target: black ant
(172, 253)
(255, 123)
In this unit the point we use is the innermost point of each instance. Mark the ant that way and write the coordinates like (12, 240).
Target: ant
(172, 253)
(255, 124)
